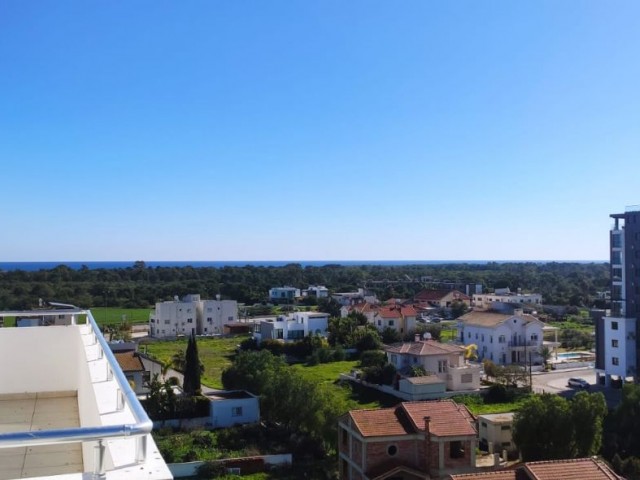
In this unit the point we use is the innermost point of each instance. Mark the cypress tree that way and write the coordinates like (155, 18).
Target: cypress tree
(191, 384)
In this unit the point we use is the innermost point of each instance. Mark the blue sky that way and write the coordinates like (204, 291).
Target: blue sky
(253, 130)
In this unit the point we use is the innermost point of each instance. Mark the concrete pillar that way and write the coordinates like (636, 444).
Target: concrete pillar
(496, 460)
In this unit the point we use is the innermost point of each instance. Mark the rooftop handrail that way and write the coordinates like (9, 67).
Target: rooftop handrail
(141, 427)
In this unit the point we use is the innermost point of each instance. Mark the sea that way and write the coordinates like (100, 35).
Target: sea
(35, 266)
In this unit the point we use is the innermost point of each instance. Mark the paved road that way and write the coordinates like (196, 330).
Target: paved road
(556, 382)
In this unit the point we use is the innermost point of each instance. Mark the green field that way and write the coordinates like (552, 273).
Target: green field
(215, 354)
(115, 316)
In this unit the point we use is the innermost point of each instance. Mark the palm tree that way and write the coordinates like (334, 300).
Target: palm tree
(545, 353)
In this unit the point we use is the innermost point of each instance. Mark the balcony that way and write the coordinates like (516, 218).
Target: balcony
(66, 408)
(523, 343)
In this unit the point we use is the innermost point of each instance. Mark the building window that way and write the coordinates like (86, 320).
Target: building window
(167, 322)
(391, 323)
(392, 450)
(442, 366)
(456, 450)
(469, 335)
(615, 361)
(614, 325)
(501, 339)
(189, 320)
(209, 319)
(614, 343)
(236, 411)
(491, 339)
(505, 427)
(534, 337)
(345, 436)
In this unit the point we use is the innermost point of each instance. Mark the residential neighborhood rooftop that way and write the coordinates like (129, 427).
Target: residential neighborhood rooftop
(424, 347)
(484, 318)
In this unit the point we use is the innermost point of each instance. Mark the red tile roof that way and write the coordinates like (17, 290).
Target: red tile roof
(396, 311)
(447, 419)
(381, 422)
(575, 469)
(129, 361)
(424, 348)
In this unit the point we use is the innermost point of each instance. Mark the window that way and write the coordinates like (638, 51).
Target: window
(483, 337)
(209, 319)
(484, 424)
(442, 366)
(391, 323)
(476, 336)
(167, 322)
(392, 450)
(469, 335)
(230, 319)
(614, 343)
(505, 427)
(189, 320)
(614, 325)
(534, 337)
(236, 411)
(491, 339)
(615, 361)
(501, 339)
(456, 450)
(345, 436)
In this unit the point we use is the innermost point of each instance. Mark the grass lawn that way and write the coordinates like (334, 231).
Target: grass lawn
(215, 354)
(477, 406)
(111, 316)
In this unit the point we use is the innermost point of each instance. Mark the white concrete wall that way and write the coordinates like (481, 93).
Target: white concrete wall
(39, 359)
(625, 351)
(216, 314)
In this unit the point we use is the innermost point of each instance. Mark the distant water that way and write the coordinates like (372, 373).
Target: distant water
(35, 266)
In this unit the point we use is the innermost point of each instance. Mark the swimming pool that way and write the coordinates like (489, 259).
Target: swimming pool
(573, 355)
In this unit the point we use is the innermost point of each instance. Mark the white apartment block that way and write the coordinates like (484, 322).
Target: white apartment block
(292, 327)
(502, 338)
(503, 296)
(191, 315)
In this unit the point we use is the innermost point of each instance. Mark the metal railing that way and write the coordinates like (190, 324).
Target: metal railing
(140, 429)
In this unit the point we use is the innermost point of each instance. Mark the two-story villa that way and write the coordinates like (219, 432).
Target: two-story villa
(502, 338)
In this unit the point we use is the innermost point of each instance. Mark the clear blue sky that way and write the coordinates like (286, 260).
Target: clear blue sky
(305, 130)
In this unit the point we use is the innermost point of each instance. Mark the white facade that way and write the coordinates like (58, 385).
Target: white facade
(620, 346)
(73, 364)
(216, 314)
(230, 408)
(294, 326)
(491, 300)
(318, 291)
(283, 294)
(502, 338)
(496, 430)
(191, 315)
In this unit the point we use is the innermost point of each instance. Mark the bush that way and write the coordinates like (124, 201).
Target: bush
(249, 344)
(499, 394)
(371, 358)
(211, 470)
(273, 346)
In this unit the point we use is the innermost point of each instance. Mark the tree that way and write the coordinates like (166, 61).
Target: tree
(390, 335)
(549, 427)
(543, 428)
(545, 353)
(588, 412)
(191, 383)
(179, 361)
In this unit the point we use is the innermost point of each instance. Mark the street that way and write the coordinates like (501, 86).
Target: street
(556, 382)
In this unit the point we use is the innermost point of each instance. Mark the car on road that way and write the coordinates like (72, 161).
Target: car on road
(578, 383)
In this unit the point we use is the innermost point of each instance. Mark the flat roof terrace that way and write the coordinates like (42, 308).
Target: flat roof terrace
(33, 412)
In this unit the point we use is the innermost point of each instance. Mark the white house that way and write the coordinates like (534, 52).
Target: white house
(191, 315)
(502, 338)
(444, 361)
(283, 294)
(175, 317)
(502, 297)
(318, 291)
(235, 407)
(216, 314)
(619, 338)
(293, 326)
(495, 430)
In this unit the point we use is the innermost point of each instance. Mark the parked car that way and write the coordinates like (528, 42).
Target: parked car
(578, 383)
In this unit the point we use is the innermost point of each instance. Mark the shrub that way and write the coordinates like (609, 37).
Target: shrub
(372, 358)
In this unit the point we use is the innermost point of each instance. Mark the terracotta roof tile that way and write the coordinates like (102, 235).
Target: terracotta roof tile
(424, 348)
(448, 419)
(575, 469)
(396, 311)
(129, 361)
(381, 422)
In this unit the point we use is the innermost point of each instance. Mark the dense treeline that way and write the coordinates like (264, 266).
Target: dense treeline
(141, 286)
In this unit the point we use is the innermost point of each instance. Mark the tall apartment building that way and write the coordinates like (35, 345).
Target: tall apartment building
(617, 345)
(191, 315)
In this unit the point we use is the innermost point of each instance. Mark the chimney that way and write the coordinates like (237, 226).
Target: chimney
(427, 443)
(416, 337)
